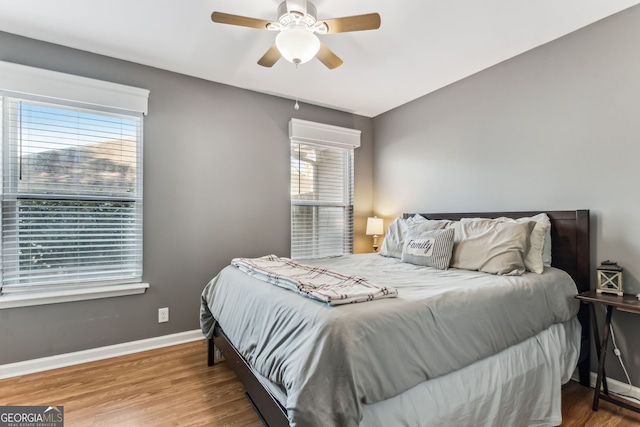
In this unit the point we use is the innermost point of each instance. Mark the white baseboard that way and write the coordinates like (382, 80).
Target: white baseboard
(61, 360)
(615, 386)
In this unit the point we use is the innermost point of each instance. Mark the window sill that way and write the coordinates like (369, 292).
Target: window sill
(68, 295)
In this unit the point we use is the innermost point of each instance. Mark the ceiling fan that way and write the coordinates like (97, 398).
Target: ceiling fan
(297, 26)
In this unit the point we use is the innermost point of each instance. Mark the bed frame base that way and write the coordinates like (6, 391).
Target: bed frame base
(271, 413)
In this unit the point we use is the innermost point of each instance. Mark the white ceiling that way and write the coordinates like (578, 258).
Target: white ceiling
(421, 46)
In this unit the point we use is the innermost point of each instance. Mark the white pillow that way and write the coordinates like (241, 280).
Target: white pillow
(417, 218)
(533, 260)
(546, 251)
(432, 224)
(394, 238)
(491, 246)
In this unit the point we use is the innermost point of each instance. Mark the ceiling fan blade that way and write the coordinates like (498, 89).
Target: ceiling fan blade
(297, 6)
(328, 58)
(242, 21)
(270, 58)
(370, 21)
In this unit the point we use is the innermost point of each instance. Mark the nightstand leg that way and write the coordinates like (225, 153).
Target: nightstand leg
(597, 340)
(601, 347)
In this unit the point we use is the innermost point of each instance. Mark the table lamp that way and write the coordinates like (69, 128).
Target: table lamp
(374, 228)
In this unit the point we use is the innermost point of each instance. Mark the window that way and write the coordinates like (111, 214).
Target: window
(71, 195)
(321, 190)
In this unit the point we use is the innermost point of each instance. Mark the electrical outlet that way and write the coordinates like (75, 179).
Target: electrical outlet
(163, 315)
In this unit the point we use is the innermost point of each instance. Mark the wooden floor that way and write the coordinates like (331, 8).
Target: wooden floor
(174, 386)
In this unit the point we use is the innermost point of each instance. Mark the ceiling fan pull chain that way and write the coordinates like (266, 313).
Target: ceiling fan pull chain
(297, 106)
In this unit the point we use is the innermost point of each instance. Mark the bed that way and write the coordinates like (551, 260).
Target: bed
(377, 373)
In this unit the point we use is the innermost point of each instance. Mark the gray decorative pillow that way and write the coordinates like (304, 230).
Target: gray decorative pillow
(429, 248)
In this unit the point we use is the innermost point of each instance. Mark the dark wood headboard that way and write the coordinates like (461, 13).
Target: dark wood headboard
(570, 251)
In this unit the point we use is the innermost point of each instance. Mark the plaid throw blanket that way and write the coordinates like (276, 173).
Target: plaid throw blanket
(317, 283)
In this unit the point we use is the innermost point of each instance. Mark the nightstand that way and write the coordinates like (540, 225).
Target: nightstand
(628, 303)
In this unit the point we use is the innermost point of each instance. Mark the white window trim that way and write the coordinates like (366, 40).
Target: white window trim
(319, 133)
(68, 295)
(22, 79)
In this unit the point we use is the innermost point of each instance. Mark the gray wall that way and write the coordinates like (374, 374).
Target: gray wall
(555, 128)
(216, 186)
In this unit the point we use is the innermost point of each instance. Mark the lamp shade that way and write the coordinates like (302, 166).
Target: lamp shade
(297, 45)
(374, 226)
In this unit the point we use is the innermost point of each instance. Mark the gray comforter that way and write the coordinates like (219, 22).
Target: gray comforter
(331, 360)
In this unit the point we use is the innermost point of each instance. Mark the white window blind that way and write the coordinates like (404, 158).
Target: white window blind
(71, 196)
(321, 190)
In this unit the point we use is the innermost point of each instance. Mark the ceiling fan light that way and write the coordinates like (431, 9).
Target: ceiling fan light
(297, 45)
